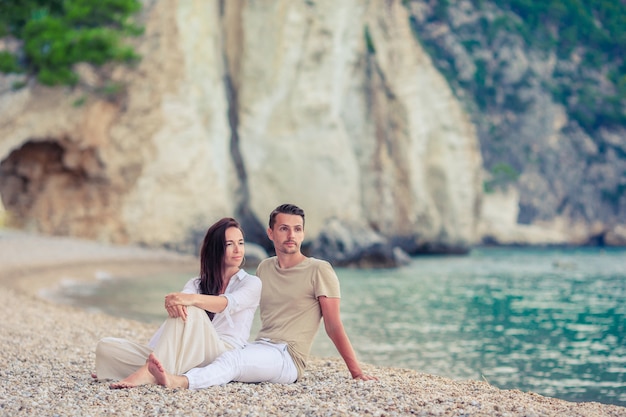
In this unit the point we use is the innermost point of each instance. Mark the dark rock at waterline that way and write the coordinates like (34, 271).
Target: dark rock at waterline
(416, 245)
(346, 244)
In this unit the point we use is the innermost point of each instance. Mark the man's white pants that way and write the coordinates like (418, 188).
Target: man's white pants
(260, 361)
(182, 345)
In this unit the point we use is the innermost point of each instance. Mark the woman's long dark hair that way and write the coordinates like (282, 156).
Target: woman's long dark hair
(212, 257)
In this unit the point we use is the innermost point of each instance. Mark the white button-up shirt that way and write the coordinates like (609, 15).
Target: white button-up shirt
(233, 324)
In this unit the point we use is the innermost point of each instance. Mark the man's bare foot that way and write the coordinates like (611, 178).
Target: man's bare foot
(140, 377)
(162, 377)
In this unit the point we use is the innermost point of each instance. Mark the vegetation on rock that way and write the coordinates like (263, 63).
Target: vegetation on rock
(545, 84)
(54, 35)
(593, 31)
(590, 34)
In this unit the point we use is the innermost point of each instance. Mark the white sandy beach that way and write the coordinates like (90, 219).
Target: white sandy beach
(48, 355)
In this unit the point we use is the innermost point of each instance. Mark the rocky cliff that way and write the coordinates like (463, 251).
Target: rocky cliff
(239, 106)
(549, 122)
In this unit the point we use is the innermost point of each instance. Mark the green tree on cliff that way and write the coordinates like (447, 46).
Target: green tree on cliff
(596, 29)
(57, 34)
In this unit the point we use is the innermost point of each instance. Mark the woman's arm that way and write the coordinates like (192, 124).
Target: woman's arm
(176, 303)
(336, 332)
(246, 294)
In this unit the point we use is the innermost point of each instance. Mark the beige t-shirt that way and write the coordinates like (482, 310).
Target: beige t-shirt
(290, 310)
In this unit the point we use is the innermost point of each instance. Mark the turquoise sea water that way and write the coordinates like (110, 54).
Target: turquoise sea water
(551, 321)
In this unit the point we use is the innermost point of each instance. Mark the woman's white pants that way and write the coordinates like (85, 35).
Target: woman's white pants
(183, 345)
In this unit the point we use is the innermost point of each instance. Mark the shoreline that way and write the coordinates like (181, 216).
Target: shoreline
(48, 355)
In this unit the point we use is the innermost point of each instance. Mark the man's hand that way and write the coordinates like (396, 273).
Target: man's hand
(364, 377)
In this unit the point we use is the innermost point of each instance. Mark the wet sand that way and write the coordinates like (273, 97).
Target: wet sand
(48, 355)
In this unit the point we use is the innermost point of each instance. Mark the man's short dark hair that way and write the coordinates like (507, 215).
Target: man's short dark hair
(285, 209)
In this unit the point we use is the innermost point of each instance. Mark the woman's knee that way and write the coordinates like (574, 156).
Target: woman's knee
(196, 314)
(106, 344)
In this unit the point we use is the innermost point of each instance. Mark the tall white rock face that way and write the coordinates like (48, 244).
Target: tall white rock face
(296, 63)
(369, 136)
(425, 149)
(187, 179)
(237, 107)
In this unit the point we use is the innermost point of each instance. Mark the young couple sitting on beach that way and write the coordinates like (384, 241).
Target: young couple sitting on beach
(204, 341)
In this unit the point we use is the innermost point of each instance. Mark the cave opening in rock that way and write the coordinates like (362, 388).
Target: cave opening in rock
(23, 175)
(49, 187)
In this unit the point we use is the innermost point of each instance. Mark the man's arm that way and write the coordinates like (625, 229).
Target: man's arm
(336, 332)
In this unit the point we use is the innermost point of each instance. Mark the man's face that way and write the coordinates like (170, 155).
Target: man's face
(287, 233)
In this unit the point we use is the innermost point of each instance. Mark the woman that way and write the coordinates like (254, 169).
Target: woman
(211, 315)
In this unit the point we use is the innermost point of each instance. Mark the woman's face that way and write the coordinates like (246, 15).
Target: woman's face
(235, 248)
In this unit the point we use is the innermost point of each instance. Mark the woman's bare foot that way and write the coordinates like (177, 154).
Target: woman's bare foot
(162, 377)
(140, 377)
(157, 370)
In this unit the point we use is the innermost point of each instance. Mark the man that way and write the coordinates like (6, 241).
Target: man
(297, 293)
